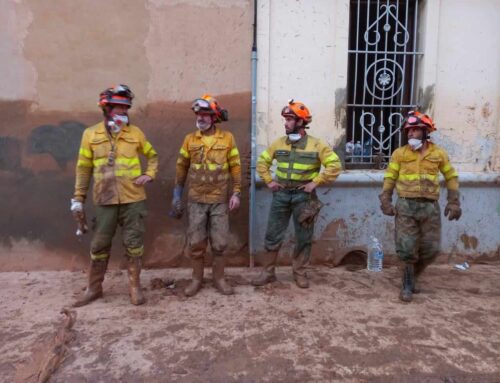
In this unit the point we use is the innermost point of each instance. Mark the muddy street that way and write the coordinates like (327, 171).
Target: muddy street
(349, 326)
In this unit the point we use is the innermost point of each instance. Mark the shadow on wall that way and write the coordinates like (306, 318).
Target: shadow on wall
(37, 180)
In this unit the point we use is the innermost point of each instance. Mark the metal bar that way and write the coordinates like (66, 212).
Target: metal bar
(368, 48)
(253, 141)
(414, 47)
(382, 106)
(356, 59)
(383, 52)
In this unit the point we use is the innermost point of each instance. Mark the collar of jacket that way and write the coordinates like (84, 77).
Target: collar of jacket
(102, 129)
(300, 144)
(431, 148)
(217, 134)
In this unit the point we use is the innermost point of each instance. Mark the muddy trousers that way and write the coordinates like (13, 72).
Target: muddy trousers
(286, 203)
(130, 217)
(208, 223)
(417, 231)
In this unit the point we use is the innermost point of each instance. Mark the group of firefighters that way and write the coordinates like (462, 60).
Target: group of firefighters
(210, 160)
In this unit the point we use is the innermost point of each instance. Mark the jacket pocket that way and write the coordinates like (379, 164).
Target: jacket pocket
(100, 147)
(196, 153)
(218, 154)
(128, 147)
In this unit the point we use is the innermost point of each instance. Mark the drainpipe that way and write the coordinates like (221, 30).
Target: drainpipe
(253, 140)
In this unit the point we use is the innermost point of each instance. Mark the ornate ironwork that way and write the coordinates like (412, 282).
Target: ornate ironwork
(382, 59)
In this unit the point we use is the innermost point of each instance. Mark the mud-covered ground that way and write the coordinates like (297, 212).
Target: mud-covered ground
(349, 326)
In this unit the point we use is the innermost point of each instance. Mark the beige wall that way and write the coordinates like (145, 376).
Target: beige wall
(303, 54)
(57, 55)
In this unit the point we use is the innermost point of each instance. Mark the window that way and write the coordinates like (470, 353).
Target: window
(381, 78)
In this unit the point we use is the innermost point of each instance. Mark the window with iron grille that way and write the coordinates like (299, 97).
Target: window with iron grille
(381, 78)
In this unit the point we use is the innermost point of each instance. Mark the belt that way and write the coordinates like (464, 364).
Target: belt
(419, 199)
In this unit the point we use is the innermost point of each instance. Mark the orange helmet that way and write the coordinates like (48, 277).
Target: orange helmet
(209, 104)
(117, 94)
(297, 110)
(416, 119)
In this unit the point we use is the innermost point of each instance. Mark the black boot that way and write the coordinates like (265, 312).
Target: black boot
(408, 283)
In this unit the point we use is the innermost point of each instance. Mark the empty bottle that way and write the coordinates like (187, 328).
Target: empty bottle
(375, 257)
(358, 151)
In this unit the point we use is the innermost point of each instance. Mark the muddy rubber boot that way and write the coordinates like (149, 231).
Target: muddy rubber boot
(197, 279)
(134, 266)
(408, 283)
(301, 280)
(96, 277)
(420, 266)
(268, 273)
(218, 276)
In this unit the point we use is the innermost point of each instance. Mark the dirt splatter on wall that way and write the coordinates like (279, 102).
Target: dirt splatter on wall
(57, 57)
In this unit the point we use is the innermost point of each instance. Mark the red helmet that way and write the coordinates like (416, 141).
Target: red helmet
(116, 95)
(297, 109)
(208, 104)
(416, 119)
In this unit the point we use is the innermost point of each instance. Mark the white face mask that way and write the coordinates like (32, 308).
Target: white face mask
(117, 121)
(294, 137)
(415, 143)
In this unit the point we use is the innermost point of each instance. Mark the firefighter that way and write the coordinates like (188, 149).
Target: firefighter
(414, 172)
(109, 153)
(299, 159)
(210, 158)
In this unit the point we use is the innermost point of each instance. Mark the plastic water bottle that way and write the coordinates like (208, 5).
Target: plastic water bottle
(358, 151)
(375, 257)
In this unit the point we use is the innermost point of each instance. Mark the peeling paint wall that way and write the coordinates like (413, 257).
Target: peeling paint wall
(56, 57)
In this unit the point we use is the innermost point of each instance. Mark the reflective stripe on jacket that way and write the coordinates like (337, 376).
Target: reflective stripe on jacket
(113, 183)
(299, 162)
(417, 176)
(209, 167)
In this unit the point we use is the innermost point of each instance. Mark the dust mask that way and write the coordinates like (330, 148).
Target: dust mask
(294, 137)
(415, 143)
(117, 121)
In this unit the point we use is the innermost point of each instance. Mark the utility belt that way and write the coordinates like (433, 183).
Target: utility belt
(419, 199)
(291, 185)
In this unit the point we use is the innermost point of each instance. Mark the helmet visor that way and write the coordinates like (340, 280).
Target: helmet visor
(201, 104)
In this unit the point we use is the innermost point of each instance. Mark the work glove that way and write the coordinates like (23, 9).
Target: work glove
(309, 213)
(79, 215)
(177, 205)
(386, 203)
(452, 209)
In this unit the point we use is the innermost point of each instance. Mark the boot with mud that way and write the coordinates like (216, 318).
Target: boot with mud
(408, 283)
(134, 266)
(93, 291)
(420, 266)
(268, 274)
(301, 280)
(197, 278)
(218, 276)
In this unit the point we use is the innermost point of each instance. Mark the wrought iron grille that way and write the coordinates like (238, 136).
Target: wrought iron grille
(381, 78)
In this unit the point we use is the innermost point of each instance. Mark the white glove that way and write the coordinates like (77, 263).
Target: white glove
(76, 205)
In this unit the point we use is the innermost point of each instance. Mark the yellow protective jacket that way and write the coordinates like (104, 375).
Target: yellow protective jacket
(300, 162)
(113, 184)
(209, 167)
(417, 176)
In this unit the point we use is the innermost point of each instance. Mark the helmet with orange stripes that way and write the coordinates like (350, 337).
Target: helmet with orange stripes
(208, 104)
(415, 119)
(297, 110)
(116, 95)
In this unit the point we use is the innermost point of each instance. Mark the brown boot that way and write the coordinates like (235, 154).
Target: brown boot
(218, 276)
(268, 273)
(134, 266)
(96, 277)
(197, 279)
(408, 283)
(301, 280)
